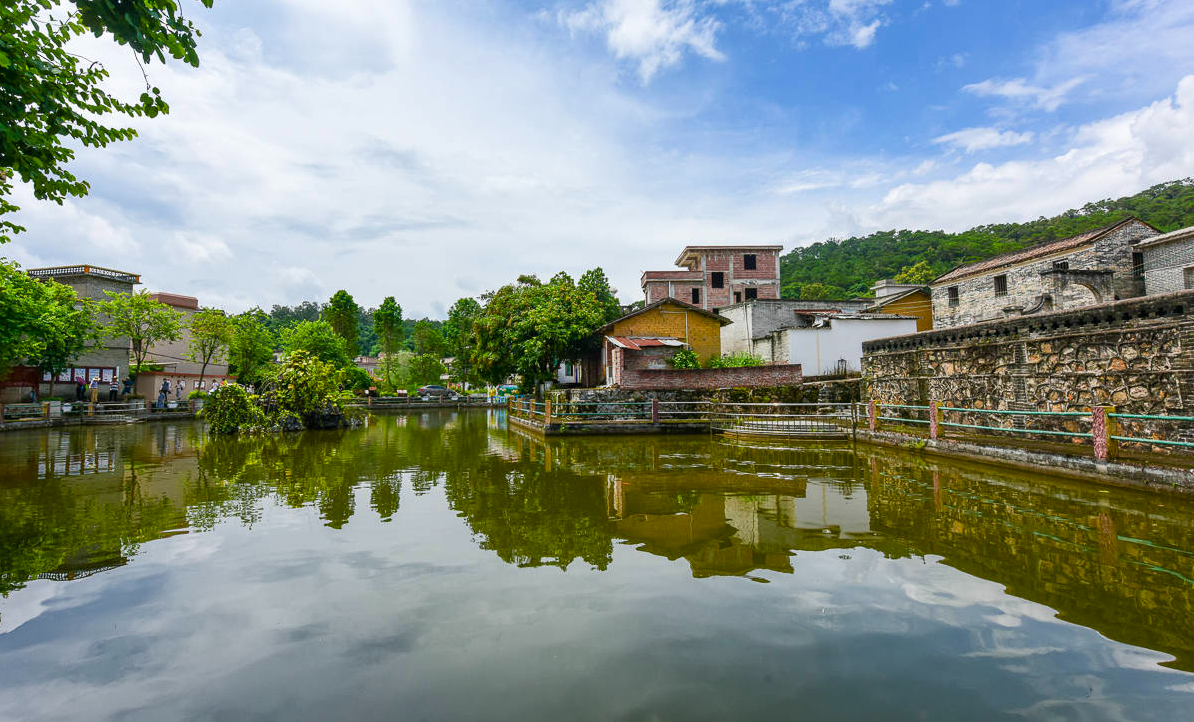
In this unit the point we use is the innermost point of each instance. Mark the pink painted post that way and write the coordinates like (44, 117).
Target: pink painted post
(654, 411)
(1102, 428)
(934, 419)
(872, 415)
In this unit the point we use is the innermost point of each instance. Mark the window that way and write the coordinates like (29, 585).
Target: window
(749, 262)
(696, 296)
(1138, 264)
(567, 369)
(1189, 277)
(718, 280)
(737, 297)
(1001, 285)
(952, 291)
(1061, 265)
(752, 294)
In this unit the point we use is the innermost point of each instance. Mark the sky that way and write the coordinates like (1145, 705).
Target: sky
(436, 149)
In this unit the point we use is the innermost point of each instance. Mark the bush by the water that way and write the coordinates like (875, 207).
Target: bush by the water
(303, 393)
(229, 409)
(686, 358)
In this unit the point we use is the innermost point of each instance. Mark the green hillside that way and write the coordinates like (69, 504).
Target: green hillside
(845, 268)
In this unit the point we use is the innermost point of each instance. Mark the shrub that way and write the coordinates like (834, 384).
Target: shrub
(351, 378)
(229, 409)
(197, 394)
(306, 386)
(735, 360)
(686, 358)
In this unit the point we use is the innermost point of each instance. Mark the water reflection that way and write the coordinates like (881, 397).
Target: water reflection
(77, 501)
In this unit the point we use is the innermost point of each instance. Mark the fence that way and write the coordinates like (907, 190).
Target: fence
(1106, 432)
(405, 402)
(788, 420)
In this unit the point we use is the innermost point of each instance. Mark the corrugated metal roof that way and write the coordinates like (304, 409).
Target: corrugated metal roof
(638, 343)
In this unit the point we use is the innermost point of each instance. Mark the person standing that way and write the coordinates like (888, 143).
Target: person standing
(163, 393)
(80, 388)
(113, 388)
(94, 387)
(179, 385)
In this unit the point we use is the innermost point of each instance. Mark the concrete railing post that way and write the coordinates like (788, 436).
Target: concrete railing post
(872, 415)
(654, 411)
(547, 411)
(45, 410)
(1, 414)
(934, 420)
(1102, 428)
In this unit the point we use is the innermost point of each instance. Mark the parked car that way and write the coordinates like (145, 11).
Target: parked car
(426, 392)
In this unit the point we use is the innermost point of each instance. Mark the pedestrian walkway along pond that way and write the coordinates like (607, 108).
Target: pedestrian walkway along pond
(440, 565)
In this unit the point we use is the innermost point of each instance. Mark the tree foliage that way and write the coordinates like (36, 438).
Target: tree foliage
(387, 324)
(318, 339)
(428, 339)
(426, 369)
(229, 409)
(343, 314)
(460, 335)
(42, 323)
(211, 333)
(250, 345)
(853, 265)
(142, 320)
(52, 98)
(920, 272)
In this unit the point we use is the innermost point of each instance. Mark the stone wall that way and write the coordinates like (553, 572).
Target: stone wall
(1025, 283)
(1166, 264)
(708, 379)
(1137, 355)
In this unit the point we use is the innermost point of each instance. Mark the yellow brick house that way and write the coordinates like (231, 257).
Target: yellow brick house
(650, 336)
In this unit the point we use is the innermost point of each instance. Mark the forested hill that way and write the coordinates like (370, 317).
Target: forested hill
(847, 268)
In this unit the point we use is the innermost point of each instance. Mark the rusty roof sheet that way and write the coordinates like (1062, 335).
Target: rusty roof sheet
(638, 343)
(1027, 254)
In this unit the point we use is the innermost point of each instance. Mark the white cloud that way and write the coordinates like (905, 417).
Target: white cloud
(1020, 90)
(654, 33)
(973, 139)
(1106, 158)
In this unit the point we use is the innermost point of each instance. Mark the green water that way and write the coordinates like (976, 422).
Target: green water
(439, 566)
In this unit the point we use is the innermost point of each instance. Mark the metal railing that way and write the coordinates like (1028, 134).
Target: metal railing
(790, 420)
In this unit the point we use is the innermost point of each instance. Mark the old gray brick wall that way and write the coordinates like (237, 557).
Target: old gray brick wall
(1165, 266)
(977, 300)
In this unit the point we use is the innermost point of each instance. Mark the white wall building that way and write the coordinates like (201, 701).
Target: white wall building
(831, 344)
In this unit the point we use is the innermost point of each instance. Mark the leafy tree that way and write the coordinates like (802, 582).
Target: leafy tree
(250, 345)
(594, 281)
(228, 409)
(42, 323)
(460, 335)
(306, 386)
(318, 339)
(426, 369)
(211, 333)
(428, 339)
(821, 292)
(920, 272)
(282, 316)
(53, 99)
(387, 323)
(142, 320)
(367, 342)
(343, 314)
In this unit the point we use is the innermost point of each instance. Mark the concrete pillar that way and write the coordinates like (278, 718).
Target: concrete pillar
(654, 411)
(547, 411)
(872, 415)
(45, 409)
(934, 420)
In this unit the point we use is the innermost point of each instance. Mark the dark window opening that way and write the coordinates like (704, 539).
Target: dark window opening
(1001, 285)
(737, 297)
(749, 262)
(1061, 265)
(1138, 264)
(953, 295)
(752, 294)
(696, 296)
(718, 279)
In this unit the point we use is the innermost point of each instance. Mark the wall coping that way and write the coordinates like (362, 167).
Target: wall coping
(1160, 306)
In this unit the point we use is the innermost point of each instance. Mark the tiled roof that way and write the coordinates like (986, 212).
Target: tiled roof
(1180, 234)
(1027, 254)
(674, 301)
(671, 276)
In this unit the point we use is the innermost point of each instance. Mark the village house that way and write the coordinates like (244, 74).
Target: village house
(174, 356)
(717, 276)
(649, 337)
(824, 337)
(1098, 266)
(106, 360)
(1167, 261)
(904, 299)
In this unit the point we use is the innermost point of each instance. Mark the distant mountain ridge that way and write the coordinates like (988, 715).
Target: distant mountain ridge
(844, 268)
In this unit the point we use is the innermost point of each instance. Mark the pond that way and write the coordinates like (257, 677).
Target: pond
(441, 566)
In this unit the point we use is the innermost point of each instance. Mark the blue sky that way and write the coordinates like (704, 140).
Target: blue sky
(432, 150)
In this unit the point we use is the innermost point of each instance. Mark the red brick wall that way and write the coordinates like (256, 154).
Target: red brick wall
(702, 379)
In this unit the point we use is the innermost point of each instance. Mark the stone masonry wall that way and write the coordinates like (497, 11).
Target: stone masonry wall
(1165, 266)
(1136, 354)
(977, 301)
(698, 379)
